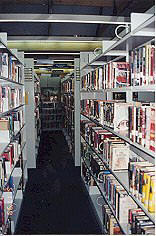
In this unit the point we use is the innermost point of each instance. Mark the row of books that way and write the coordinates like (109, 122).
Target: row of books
(136, 121)
(69, 115)
(68, 100)
(10, 98)
(111, 75)
(109, 221)
(122, 206)
(142, 183)
(6, 211)
(142, 125)
(68, 86)
(10, 125)
(9, 68)
(140, 70)
(7, 208)
(8, 160)
(116, 154)
(139, 223)
(142, 65)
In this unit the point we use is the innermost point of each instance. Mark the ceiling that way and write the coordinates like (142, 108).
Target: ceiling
(63, 37)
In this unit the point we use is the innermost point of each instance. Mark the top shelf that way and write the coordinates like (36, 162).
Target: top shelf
(138, 36)
(9, 51)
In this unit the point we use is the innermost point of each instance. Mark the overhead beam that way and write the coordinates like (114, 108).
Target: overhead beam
(99, 3)
(64, 18)
(42, 2)
(92, 3)
(20, 38)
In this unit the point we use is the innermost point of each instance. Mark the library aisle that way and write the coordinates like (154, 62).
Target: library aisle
(77, 117)
(55, 200)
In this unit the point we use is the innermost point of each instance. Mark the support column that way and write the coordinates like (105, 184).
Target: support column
(77, 110)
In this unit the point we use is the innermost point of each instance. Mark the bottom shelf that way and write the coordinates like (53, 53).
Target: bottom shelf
(94, 195)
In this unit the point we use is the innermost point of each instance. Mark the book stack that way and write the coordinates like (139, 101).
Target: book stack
(116, 153)
(68, 86)
(116, 116)
(109, 221)
(85, 127)
(111, 75)
(97, 167)
(9, 68)
(142, 124)
(8, 160)
(136, 121)
(9, 98)
(118, 198)
(68, 100)
(14, 70)
(10, 125)
(4, 64)
(142, 64)
(139, 71)
(142, 183)
(116, 75)
(93, 80)
(111, 113)
(97, 138)
(139, 223)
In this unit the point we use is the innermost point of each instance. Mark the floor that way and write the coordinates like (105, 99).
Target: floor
(55, 200)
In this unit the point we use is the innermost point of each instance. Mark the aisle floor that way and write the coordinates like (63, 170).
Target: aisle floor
(55, 200)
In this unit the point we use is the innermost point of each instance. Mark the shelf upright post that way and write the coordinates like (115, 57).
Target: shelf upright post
(129, 92)
(21, 57)
(77, 109)
(30, 112)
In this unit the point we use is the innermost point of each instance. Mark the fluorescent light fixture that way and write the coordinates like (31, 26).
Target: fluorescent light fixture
(45, 61)
(52, 53)
(61, 18)
(53, 41)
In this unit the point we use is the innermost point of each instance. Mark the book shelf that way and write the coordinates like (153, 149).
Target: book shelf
(32, 99)
(67, 91)
(37, 95)
(121, 76)
(13, 161)
(70, 90)
(52, 115)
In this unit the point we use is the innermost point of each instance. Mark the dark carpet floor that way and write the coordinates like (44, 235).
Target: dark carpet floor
(55, 200)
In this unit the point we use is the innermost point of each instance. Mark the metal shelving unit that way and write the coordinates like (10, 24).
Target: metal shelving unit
(139, 34)
(146, 154)
(31, 122)
(48, 110)
(72, 127)
(17, 171)
(123, 178)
